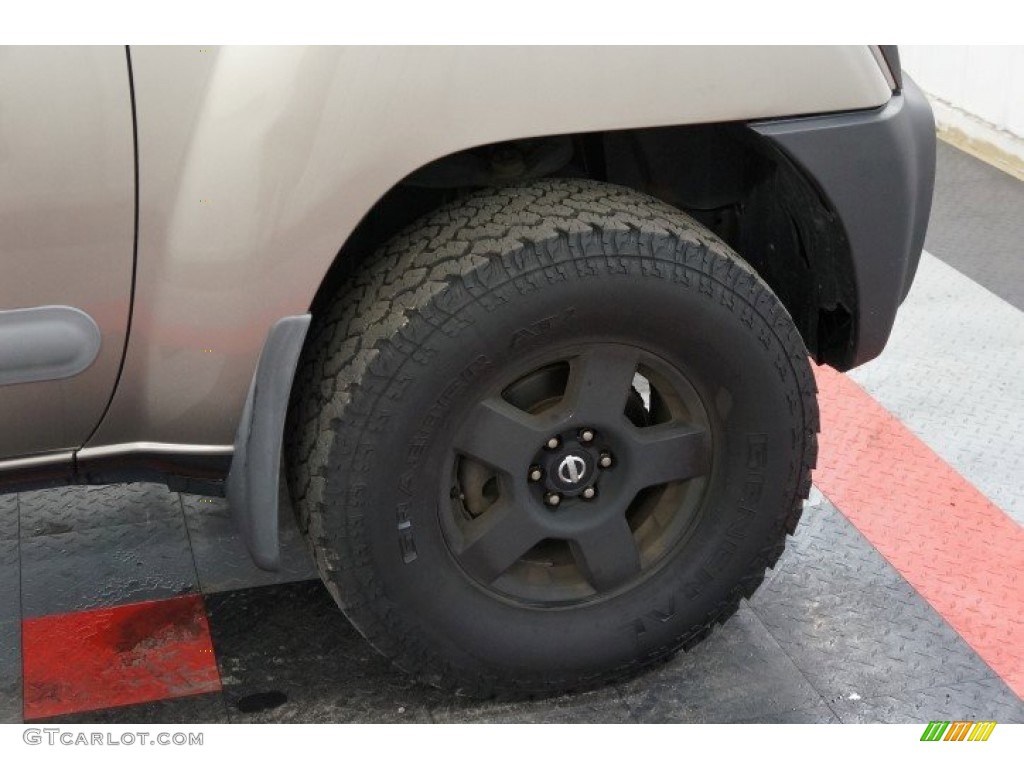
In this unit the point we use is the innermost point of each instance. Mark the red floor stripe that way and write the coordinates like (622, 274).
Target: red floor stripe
(963, 554)
(111, 657)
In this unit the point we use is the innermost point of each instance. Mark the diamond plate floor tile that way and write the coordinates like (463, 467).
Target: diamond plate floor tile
(8, 516)
(881, 638)
(600, 706)
(856, 628)
(952, 374)
(205, 708)
(820, 714)
(330, 701)
(286, 653)
(79, 507)
(108, 566)
(827, 555)
(738, 673)
(10, 578)
(222, 561)
(10, 634)
(10, 671)
(976, 223)
(973, 700)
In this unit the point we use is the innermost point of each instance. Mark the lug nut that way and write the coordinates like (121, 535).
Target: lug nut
(589, 493)
(535, 474)
(553, 442)
(552, 499)
(606, 460)
(586, 435)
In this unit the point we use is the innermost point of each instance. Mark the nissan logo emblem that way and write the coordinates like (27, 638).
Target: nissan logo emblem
(571, 469)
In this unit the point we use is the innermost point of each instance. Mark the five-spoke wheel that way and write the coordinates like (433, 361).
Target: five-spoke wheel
(574, 479)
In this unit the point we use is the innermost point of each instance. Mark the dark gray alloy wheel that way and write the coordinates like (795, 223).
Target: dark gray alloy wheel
(574, 480)
(547, 437)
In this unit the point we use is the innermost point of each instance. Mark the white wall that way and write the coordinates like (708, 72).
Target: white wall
(975, 89)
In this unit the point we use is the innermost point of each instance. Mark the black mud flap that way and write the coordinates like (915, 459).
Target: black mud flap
(253, 482)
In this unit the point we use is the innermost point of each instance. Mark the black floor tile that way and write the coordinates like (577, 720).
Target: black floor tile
(10, 672)
(977, 223)
(8, 517)
(334, 701)
(601, 706)
(820, 714)
(222, 560)
(10, 579)
(880, 639)
(827, 556)
(287, 653)
(738, 673)
(81, 508)
(103, 567)
(971, 700)
(206, 708)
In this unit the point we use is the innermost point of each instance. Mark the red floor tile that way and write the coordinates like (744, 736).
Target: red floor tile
(111, 657)
(961, 553)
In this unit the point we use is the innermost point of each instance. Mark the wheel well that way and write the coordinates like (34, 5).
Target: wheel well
(726, 176)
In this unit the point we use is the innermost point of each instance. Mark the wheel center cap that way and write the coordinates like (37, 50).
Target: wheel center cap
(572, 469)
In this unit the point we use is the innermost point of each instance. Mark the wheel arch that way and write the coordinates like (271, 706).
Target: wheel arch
(725, 175)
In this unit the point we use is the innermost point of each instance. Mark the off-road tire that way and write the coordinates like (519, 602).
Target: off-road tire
(438, 316)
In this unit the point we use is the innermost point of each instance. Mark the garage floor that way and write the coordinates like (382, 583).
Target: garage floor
(900, 599)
